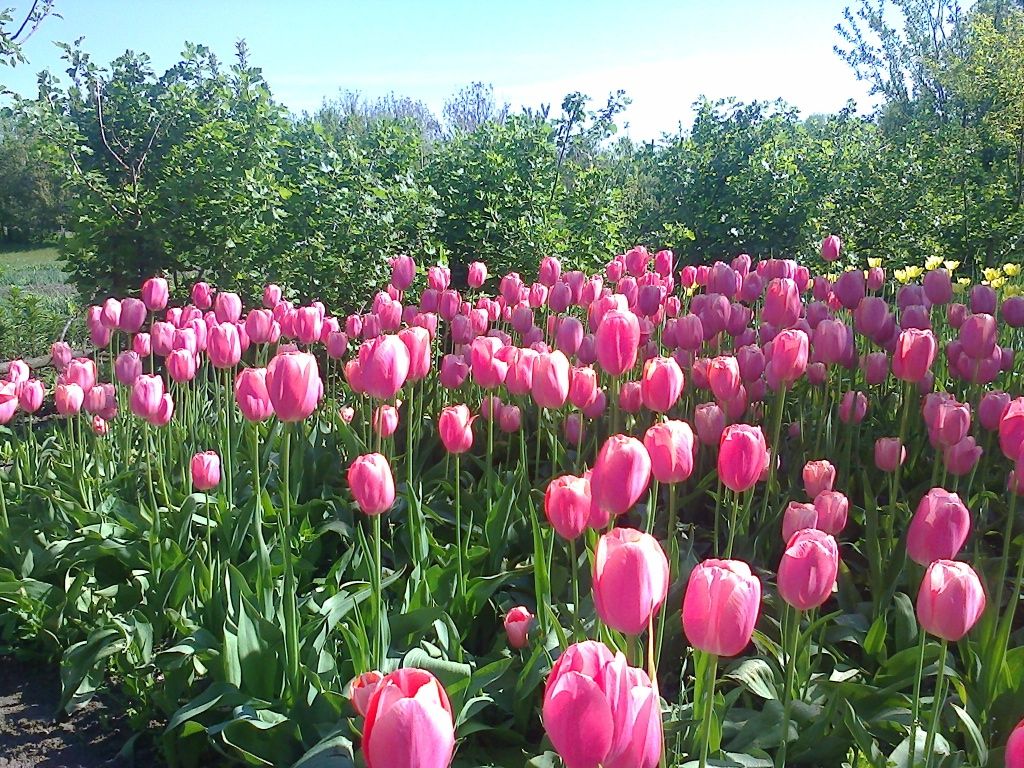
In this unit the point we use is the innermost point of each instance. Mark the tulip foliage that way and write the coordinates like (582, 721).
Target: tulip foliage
(735, 514)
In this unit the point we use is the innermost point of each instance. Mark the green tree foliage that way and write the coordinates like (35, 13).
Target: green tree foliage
(198, 172)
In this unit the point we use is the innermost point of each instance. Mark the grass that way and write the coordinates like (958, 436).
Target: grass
(36, 270)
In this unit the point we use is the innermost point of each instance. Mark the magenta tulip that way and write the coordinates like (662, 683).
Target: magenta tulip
(599, 711)
(455, 426)
(205, 470)
(889, 453)
(742, 456)
(409, 723)
(630, 579)
(721, 606)
(372, 483)
(807, 572)
(294, 385)
(517, 626)
(939, 527)
(620, 475)
(818, 476)
(618, 340)
(951, 599)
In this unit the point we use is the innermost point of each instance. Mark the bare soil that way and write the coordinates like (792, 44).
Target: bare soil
(30, 736)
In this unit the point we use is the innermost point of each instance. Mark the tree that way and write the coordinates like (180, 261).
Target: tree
(14, 33)
(472, 107)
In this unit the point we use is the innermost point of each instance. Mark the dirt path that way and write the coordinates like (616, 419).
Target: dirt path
(29, 737)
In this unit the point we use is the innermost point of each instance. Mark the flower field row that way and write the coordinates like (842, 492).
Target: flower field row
(735, 514)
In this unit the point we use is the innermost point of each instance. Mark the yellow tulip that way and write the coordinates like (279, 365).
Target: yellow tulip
(932, 262)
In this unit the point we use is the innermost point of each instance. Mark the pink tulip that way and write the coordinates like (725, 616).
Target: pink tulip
(853, 407)
(251, 394)
(510, 419)
(271, 295)
(724, 377)
(787, 356)
(830, 248)
(224, 346)
(672, 448)
(889, 453)
(385, 364)
(155, 294)
(60, 355)
(797, 516)
(1011, 430)
(914, 354)
(133, 315)
(818, 476)
(146, 395)
(127, 367)
(454, 371)
(517, 627)
(742, 456)
(630, 579)
(385, 420)
(181, 365)
(9, 401)
(205, 470)
(630, 397)
(960, 459)
(372, 483)
(100, 428)
(227, 307)
(439, 278)
(567, 505)
(202, 295)
(951, 599)
(550, 379)
(477, 274)
(31, 395)
(618, 340)
(831, 508)
(489, 370)
(455, 426)
(807, 572)
(939, 527)
(599, 711)
(409, 723)
(80, 371)
(361, 690)
(709, 421)
(417, 341)
(403, 272)
(620, 475)
(294, 385)
(721, 606)
(68, 398)
(142, 344)
(782, 305)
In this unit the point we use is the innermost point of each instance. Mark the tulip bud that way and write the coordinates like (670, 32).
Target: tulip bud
(672, 449)
(620, 475)
(742, 456)
(455, 426)
(409, 722)
(721, 606)
(517, 626)
(372, 483)
(939, 527)
(205, 469)
(818, 476)
(951, 599)
(807, 572)
(630, 579)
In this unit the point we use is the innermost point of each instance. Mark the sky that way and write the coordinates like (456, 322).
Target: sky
(663, 53)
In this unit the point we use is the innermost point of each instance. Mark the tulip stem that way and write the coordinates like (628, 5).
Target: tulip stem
(461, 588)
(915, 706)
(732, 523)
(711, 671)
(291, 626)
(940, 695)
(774, 453)
(378, 597)
(575, 563)
(262, 553)
(997, 649)
(791, 630)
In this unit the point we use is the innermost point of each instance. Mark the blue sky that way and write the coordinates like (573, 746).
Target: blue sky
(663, 53)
